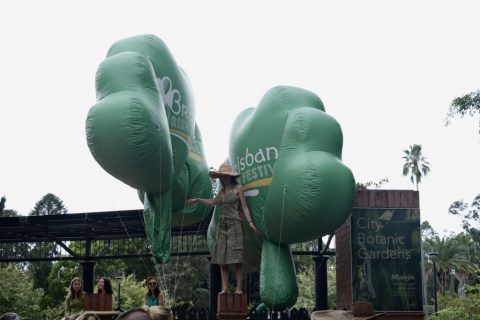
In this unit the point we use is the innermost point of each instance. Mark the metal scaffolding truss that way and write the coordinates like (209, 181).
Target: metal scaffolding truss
(99, 235)
(90, 236)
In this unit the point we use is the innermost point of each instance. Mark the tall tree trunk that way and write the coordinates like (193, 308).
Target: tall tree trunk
(462, 279)
(440, 282)
(452, 284)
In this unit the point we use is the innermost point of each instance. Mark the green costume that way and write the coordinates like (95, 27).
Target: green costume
(229, 244)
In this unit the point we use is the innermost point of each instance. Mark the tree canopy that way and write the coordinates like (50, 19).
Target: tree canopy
(2, 204)
(365, 185)
(48, 205)
(6, 212)
(468, 104)
(470, 214)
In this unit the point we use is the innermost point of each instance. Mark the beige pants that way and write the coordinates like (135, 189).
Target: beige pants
(229, 242)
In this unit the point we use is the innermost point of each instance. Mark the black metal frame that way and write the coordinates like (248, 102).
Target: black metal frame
(72, 237)
(81, 226)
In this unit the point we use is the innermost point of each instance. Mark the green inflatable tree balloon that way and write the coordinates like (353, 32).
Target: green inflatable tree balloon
(288, 151)
(142, 131)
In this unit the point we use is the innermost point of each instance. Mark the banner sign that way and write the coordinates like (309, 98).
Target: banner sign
(386, 258)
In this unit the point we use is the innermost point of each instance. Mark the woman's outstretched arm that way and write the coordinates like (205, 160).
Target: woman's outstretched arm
(208, 202)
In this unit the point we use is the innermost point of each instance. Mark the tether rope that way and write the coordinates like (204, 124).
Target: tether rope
(123, 224)
(191, 248)
(162, 273)
(161, 284)
(181, 231)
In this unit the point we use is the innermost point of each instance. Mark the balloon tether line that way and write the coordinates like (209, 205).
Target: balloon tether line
(121, 221)
(181, 232)
(191, 248)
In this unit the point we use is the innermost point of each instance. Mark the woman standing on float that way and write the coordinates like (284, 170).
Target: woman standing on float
(229, 241)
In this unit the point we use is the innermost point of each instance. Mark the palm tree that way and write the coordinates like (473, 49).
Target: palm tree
(466, 269)
(453, 261)
(415, 164)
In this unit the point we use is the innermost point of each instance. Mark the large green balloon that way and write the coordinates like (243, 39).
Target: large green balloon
(174, 88)
(288, 151)
(127, 130)
(142, 131)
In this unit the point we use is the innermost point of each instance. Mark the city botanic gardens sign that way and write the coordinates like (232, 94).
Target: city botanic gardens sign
(386, 258)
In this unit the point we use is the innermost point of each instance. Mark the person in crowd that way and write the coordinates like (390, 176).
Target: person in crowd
(10, 316)
(153, 296)
(75, 301)
(229, 239)
(134, 314)
(104, 286)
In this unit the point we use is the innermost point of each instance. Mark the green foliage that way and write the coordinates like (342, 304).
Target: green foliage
(141, 268)
(467, 104)
(48, 205)
(6, 212)
(470, 214)
(427, 231)
(458, 272)
(54, 313)
(368, 184)
(59, 277)
(453, 258)
(306, 290)
(17, 293)
(201, 300)
(110, 268)
(131, 292)
(416, 165)
(306, 282)
(453, 308)
(181, 280)
(2, 204)
(40, 271)
(475, 289)
(332, 283)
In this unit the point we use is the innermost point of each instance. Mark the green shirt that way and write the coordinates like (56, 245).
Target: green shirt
(75, 305)
(152, 300)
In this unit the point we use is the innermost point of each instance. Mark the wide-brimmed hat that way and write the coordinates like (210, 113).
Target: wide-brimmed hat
(224, 170)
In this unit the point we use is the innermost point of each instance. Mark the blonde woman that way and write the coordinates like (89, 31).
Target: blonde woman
(75, 301)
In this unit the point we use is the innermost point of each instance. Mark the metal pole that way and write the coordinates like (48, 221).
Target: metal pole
(119, 280)
(88, 275)
(321, 285)
(213, 288)
(88, 268)
(435, 286)
(320, 280)
(118, 306)
(433, 256)
(247, 286)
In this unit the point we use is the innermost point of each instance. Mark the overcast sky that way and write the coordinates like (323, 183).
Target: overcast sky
(386, 70)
